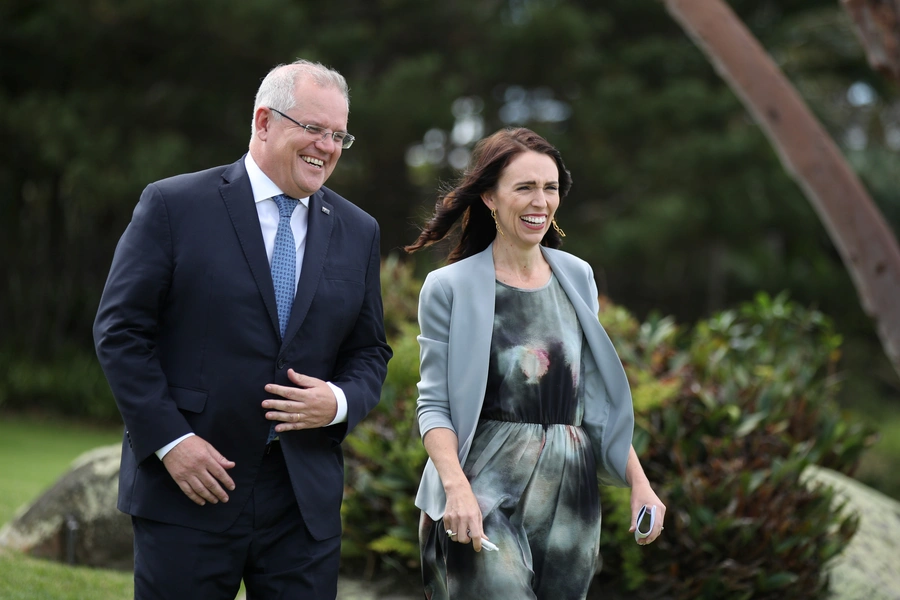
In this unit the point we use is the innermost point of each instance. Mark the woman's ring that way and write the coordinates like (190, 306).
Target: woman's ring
(450, 532)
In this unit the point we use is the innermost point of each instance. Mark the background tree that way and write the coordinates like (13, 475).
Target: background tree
(878, 26)
(865, 242)
(679, 203)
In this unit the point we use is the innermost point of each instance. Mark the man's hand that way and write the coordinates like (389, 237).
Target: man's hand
(199, 470)
(311, 404)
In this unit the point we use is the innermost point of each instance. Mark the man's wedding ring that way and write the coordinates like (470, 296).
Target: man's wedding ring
(451, 533)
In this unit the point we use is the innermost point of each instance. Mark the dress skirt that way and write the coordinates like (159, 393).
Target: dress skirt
(536, 486)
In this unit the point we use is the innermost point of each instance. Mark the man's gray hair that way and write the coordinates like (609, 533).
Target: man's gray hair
(277, 88)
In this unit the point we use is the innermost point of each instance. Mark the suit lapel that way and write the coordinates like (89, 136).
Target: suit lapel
(318, 239)
(238, 197)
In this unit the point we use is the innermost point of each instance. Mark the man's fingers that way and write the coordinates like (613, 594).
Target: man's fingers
(201, 490)
(214, 492)
(224, 463)
(222, 476)
(302, 380)
(198, 468)
(282, 407)
(190, 493)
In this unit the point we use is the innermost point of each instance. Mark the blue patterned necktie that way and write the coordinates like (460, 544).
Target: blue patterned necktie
(284, 268)
(284, 260)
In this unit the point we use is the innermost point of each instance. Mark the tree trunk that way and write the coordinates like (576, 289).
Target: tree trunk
(878, 28)
(856, 227)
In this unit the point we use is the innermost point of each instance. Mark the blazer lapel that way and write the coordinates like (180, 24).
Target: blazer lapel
(318, 239)
(576, 297)
(608, 413)
(238, 197)
(472, 328)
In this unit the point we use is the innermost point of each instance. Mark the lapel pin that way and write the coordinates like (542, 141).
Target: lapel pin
(327, 211)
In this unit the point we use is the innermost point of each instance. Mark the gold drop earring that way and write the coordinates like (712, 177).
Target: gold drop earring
(496, 222)
(557, 228)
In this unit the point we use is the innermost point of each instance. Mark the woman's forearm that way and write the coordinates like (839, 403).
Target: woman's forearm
(634, 472)
(442, 446)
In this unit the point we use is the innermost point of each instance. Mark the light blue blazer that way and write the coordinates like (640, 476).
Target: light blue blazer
(456, 317)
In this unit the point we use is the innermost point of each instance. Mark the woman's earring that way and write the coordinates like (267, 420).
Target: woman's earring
(496, 222)
(558, 228)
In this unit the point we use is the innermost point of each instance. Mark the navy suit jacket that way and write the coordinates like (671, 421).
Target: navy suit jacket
(187, 335)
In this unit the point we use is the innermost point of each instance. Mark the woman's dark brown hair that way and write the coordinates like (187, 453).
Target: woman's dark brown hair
(489, 158)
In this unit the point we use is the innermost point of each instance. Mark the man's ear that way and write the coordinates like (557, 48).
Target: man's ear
(262, 119)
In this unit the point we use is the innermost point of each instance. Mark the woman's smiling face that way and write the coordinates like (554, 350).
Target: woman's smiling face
(526, 198)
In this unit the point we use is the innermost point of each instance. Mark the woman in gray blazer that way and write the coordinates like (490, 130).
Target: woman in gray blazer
(523, 402)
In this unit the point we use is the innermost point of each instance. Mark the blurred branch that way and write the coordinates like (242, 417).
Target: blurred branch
(878, 28)
(856, 227)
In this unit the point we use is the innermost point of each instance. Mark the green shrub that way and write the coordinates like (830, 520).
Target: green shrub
(70, 384)
(384, 456)
(727, 419)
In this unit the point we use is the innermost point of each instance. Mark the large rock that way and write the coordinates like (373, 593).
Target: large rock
(76, 520)
(869, 567)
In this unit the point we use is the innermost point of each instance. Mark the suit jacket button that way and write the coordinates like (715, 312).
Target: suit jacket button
(280, 363)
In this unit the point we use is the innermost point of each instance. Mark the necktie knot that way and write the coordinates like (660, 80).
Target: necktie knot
(286, 205)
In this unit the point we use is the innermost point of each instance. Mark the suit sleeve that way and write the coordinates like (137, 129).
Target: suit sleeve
(127, 325)
(362, 360)
(433, 406)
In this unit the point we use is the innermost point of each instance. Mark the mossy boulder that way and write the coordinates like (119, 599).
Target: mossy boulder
(76, 520)
(869, 567)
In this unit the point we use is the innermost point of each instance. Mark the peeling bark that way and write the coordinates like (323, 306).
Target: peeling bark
(878, 28)
(856, 227)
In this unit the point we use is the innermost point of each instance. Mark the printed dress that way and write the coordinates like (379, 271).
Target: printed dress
(531, 466)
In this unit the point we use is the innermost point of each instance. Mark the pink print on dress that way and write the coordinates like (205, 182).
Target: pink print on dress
(534, 363)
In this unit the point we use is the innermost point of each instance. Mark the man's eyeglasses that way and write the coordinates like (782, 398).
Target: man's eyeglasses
(341, 138)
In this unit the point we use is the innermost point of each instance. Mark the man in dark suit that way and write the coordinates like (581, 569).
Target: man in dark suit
(241, 331)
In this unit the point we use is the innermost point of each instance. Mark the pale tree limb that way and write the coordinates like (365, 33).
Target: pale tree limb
(878, 28)
(865, 242)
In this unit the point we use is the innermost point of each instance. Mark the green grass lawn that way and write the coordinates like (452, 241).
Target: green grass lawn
(34, 452)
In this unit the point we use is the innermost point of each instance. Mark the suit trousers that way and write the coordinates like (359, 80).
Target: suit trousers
(268, 546)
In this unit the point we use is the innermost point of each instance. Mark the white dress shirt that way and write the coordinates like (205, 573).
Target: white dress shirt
(264, 189)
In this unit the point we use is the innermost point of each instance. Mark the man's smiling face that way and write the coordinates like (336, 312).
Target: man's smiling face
(296, 161)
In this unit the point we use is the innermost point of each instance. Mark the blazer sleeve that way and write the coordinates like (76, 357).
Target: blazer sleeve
(612, 431)
(362, 360)
(435, 307)
(127, 324)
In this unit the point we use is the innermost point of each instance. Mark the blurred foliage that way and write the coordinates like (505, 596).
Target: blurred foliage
(679, 202)
(384, 455)
(72, 385)
(728, 416)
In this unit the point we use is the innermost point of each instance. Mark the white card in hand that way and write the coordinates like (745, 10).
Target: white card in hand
(645, 524)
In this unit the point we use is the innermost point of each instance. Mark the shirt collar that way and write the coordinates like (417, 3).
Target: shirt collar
(263, 187)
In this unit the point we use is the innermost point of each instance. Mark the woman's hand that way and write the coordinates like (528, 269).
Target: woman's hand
(462, 516)
(643, 495)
